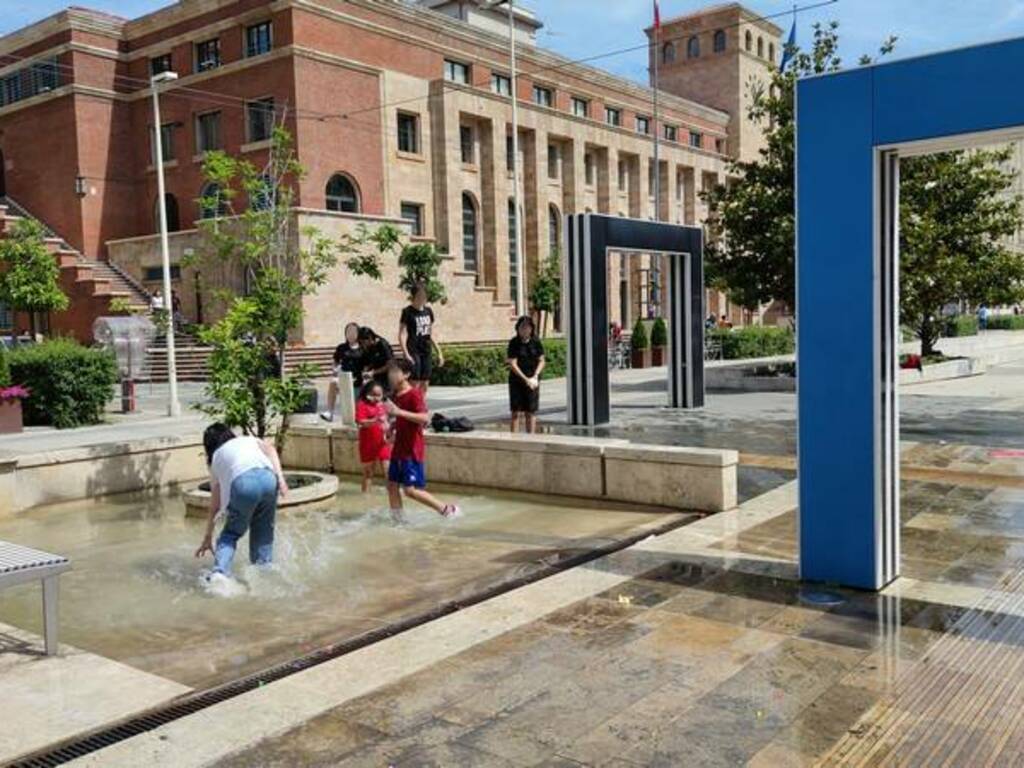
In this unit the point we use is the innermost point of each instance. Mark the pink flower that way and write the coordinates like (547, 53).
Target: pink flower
(17, 392)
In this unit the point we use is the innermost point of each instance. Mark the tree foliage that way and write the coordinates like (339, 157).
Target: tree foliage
(546, 291)
(29, 273)
(419, 263)
(956, 212)
(751, 232)
(280, 264)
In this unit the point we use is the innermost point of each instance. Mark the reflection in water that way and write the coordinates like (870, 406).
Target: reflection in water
(135, 593)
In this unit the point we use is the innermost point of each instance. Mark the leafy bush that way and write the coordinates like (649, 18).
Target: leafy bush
(754, 341)
(659, 333)
(474, 366)
(5, 371)
(1006, 323)
(70, 384)
(960, 325)
(639, 338)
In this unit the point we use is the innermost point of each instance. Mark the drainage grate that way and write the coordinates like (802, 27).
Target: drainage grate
(135, 725)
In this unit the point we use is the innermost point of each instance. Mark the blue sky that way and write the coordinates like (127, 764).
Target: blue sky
(581, 28)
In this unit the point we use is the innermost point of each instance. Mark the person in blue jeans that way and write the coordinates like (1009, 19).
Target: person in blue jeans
(245, 483)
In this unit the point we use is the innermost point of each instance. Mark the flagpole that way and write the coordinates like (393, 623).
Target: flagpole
(654, 126)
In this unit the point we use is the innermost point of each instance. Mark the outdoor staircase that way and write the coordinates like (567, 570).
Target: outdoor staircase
(192, 360)
(90, 284)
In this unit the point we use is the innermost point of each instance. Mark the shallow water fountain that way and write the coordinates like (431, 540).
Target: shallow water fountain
(304, 488)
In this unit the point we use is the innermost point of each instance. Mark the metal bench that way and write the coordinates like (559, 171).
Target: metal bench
(19, 565)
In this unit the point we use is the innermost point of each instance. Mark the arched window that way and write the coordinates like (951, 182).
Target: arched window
(173, 219)
(719, 41)
(554, 230)
(771, 51)
(470, 247)
(693, 47)
(760, 47)
(342, 195)
(212, 202)
(748, 41)
(263, 196)
(668, 53)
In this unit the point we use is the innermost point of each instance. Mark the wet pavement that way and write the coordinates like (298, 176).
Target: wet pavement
(721, 662)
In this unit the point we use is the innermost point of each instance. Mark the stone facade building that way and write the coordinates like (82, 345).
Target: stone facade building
(400, 112)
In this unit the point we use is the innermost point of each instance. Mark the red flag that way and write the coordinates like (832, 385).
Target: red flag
(657, 15)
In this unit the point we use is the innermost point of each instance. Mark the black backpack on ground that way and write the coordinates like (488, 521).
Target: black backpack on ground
(441, 423)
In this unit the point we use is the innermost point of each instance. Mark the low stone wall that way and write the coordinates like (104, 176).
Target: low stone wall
(80, 473)
(616, 470)
(950, 369)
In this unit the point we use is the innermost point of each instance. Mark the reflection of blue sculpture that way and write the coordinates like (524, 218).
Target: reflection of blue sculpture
(851, 128)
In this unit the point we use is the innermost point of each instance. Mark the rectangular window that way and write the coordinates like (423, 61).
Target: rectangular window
(11, 91)
(156, 274)
(258, 39)
(513, 261)
(643, 125)
(622, 175)
(413, 213)
(160, 64)
(553, 158)
(456, 72)
(208, 132)
(510, 154)
(408, 133)
(208, 55)
(501, 84)
(467, 145)
(650, 178)
(166, 143)
(259, 117)
(613, 116)
(545, 97)
(6, 317)
(580, 107)
(588, 168)
(44, 76)
(671, 133)
(720, 146)
(696, 139)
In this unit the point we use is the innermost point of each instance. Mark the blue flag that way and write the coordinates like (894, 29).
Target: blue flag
(787, 53)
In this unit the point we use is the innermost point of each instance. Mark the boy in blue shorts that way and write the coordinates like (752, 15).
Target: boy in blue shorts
(406, 471)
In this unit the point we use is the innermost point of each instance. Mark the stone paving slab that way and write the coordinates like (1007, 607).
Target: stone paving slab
(50, 698)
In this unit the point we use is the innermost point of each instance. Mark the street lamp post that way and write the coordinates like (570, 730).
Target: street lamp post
(520, 297)
(173, 405)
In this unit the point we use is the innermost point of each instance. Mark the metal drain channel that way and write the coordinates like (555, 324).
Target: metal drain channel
(137, 724)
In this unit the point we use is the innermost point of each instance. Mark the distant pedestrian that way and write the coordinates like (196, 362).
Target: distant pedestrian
(407, 471)
(348, 358)
(156, 301)
(525, 358)
(983, 313)
(245, 482)
(372, 420)
(377, 353)
(417, 336)
(712, 322)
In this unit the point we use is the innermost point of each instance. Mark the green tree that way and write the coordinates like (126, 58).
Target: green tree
(419, 263)
(956, 212)
(751, 233)
(255, 231)
(29, 273)
(546, 292)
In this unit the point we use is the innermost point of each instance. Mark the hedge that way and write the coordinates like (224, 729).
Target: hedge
(5, 371)
(1006, 323)
(473, 366)
(960, 325)
(70, 385)
(754, 341)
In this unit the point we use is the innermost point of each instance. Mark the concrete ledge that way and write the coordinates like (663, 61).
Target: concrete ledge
(950, 369)
(698, 479)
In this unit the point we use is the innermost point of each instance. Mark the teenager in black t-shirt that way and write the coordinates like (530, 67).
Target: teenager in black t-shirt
(416, 337)
(376, 356)
(525, 363)
(348, 358)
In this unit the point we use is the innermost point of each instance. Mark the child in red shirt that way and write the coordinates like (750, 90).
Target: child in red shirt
(406, 471)
(372, 420)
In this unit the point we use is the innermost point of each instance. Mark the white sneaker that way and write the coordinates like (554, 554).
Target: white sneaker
(221, 585)
(327, 416)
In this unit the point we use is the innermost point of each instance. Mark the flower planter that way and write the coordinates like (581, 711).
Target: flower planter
(657, 356)
(10, 416)
(641, 358)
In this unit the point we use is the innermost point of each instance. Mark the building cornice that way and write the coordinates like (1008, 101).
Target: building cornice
(70, 19)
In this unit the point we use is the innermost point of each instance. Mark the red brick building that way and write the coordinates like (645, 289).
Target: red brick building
(398, 112)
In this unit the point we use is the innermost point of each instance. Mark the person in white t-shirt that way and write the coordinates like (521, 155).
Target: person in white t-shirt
(245, 483)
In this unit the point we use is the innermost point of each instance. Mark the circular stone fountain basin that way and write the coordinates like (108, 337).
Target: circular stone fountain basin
(303, 488)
